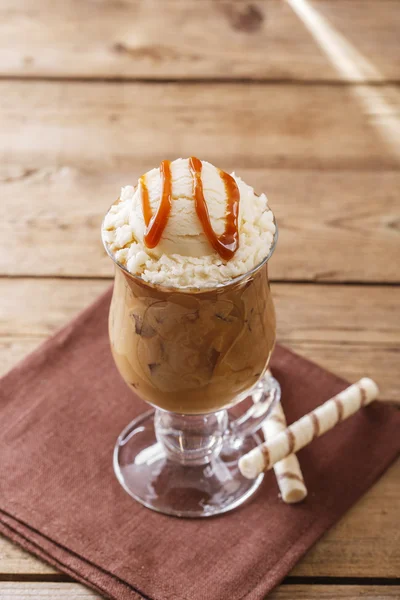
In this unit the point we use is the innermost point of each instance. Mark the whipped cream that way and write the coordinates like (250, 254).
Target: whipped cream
(184, 257)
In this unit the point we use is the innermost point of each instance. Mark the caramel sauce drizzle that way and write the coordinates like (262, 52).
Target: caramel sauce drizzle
(155, 224)
(227, 243)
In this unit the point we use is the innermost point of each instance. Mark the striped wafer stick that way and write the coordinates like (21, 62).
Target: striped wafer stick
(288, 473)
(312, 425)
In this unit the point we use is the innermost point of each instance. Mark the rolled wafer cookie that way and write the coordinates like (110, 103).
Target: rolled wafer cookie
(312, 425)
(288, 473)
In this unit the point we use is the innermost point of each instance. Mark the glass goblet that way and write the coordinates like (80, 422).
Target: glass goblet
(199, 357)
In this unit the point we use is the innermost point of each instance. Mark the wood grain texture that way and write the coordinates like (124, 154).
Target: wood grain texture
(333, 592)
(371, 28)
(14, 349)
(353, 361)
(333, 225)
(364, 543)
(133, 126)
(74, 591)
(15, 590)
(322, 322)
(66, 149)
(262, 39)
(15, 561)
(381, 362)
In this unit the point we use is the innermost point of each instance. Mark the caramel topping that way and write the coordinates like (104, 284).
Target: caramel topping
(227, 243)
(146, 208)
(155, 224)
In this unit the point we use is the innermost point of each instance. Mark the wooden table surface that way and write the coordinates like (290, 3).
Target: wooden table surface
(302, 99)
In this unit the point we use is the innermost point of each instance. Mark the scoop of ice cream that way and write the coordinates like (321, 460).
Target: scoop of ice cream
(184, 256)
(183, 234)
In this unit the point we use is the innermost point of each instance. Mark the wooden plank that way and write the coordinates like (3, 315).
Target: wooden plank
(16, 590)
(12, 350)
(333, 592)
(74, 591)
(161, 39)
(14, 561)
(136, 125)
(353, 361)
(66, 148)
(378, 24)
(313, 313)
(35, 308)
(353, 214)
(364, 543)
(57, 213)
(323, 322)
(378, 361)
(337, 314)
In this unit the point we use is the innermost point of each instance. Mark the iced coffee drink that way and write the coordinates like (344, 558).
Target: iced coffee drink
(192, 324)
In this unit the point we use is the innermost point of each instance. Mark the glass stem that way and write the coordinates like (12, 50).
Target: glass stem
(191, 439)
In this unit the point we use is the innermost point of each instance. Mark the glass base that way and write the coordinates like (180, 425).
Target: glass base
(183, 490)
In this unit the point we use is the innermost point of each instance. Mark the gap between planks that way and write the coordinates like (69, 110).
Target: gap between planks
(289, 580)
(66, 591)
(202, 81)
(110, 278)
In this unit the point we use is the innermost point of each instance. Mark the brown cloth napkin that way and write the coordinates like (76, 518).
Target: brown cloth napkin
(61, 411)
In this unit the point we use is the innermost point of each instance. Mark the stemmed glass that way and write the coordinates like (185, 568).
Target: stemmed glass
(199, 357)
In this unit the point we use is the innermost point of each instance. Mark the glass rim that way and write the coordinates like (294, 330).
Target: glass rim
(194, 289)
